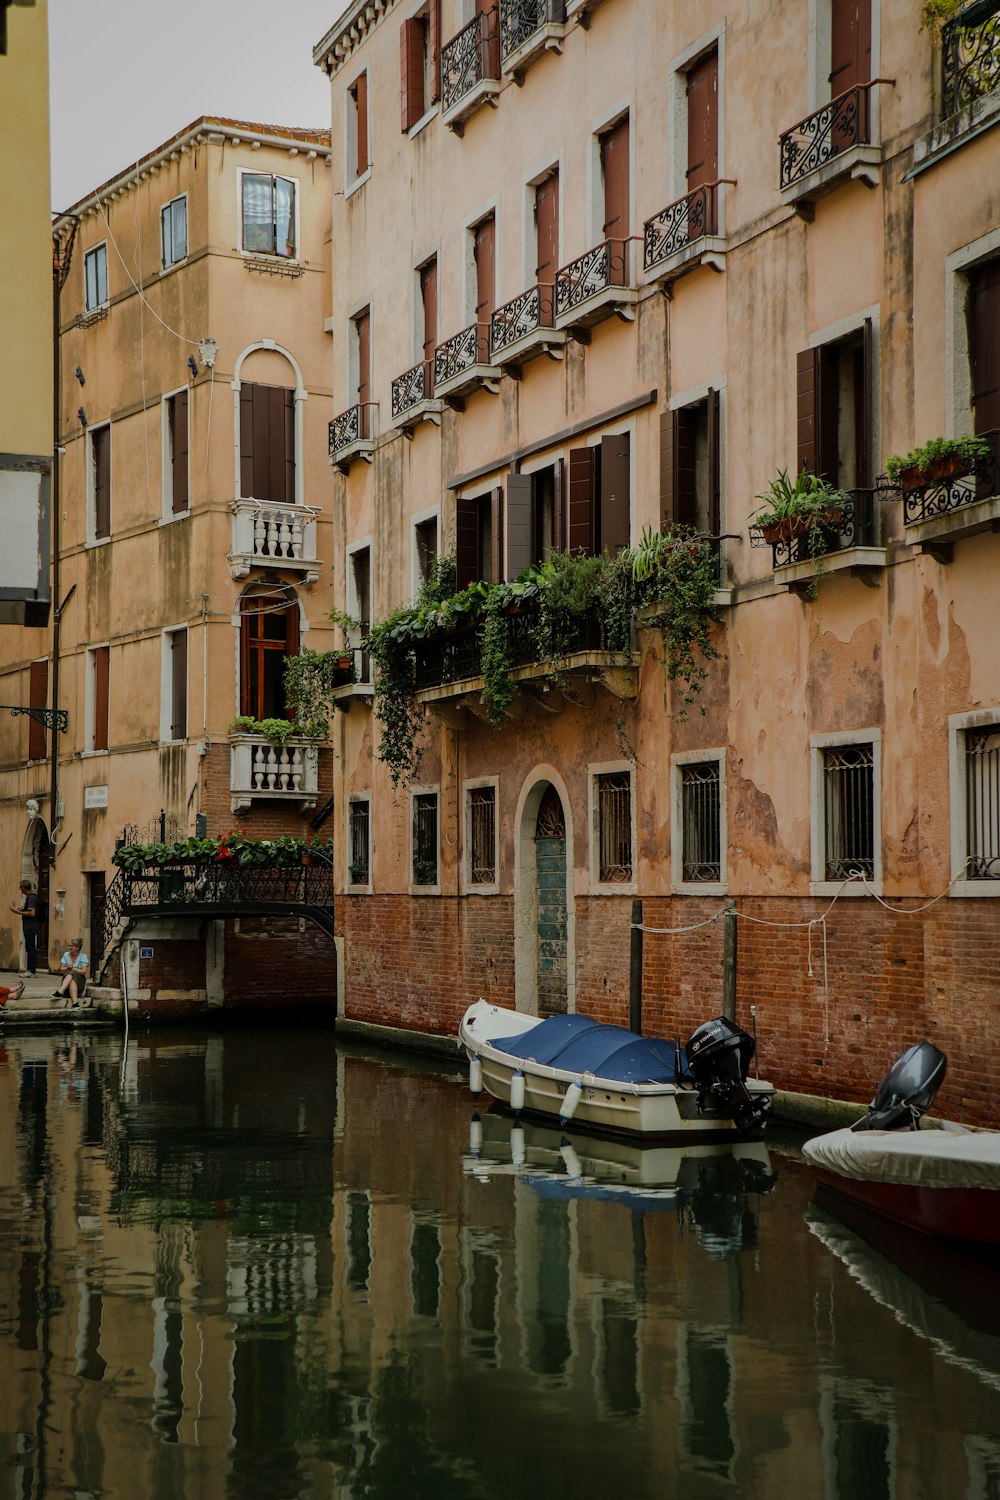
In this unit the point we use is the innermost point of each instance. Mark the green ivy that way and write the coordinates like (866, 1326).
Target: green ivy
(236, 846)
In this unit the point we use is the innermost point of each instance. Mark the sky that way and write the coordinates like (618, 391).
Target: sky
(126, 75)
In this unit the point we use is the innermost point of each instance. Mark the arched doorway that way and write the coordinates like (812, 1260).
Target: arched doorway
(35, 867)
(544, 903)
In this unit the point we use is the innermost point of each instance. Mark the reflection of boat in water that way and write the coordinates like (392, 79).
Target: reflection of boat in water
(943, 1296)
(708, 1184)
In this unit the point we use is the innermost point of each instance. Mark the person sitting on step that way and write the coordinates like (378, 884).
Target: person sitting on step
(73, 966)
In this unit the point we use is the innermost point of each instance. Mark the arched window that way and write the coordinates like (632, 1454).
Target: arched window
(269, 632)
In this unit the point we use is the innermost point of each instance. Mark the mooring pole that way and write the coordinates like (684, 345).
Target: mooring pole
(635, 970)
(729, 963)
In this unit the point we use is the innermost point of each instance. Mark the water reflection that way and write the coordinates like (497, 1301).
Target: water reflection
(255, 1265)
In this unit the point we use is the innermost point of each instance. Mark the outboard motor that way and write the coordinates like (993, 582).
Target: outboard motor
(906, 1091)
(719, 1054)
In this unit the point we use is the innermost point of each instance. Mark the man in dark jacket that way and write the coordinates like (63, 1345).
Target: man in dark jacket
(28, 912)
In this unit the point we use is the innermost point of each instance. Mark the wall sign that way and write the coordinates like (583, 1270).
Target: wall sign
(145, 952)
(95, 796)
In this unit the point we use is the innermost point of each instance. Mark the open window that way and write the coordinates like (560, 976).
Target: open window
(174, 696)
(176, 494)
(269, 634)
(269, 214)
(95, 277)
(174, 231)
(97, 720)
(479, 538)
(420, 64)
(99, 482)
(598, 501)
(690, 465)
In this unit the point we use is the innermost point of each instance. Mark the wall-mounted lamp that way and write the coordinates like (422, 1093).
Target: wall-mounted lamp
(82, 416)
(192, 366)
(79, 376)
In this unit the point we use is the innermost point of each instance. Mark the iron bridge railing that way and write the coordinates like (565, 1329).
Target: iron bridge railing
(680, 224)
(970, 56)
(826, 133)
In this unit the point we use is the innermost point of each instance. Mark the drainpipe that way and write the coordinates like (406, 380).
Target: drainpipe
(62, 256)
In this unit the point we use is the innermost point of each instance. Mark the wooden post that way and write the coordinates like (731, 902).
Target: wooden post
(729, 964)
(635, 970)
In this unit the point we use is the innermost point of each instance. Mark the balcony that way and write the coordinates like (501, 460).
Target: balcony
(595, 286)
(522, 329)
(470, 71)
(413, 400)
(970, 80)
(266, 535)
(831, 146)
(350, 436)
(939, 514)
(529, 29)
(847, 545)
(462, 364)
(684, 236)
(260, 771)
(359, 684)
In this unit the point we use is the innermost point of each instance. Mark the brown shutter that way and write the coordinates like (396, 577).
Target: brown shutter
(491, 38)
(360, 94)
(261, 443)
(428, 298)
(178, 684)
(807, 408)
(519, 524)
(547, 232)
(703, 121)
(38, 692)
(177, 412)
(101, 688)
(714, 464)
(984, 346)
(614, 163)
(276, 444)
(434, 47)
(580, 506)
(616, 521)
(667, 488)
(496, 536)
(101, 440)
(484, 245)
(685, 472)
(558, 508)
(289, 445)
(363, 329)
(246, 442)
(466, 542)
(850, 44)
(412, 40)
(865, 466)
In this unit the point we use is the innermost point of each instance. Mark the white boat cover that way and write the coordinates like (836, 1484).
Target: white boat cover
(911, 1158)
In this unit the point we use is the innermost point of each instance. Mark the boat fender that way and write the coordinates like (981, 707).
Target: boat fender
(475, 1136)
(475, 1075)
(517, 1092)
(517, 1145)
(571, 1099)
(571, 1161)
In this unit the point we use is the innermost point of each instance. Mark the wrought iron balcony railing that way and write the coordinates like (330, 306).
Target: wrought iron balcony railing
(970, 56)
(409, 389)
(471, 56)
(462, 352)
(680, 224)
(852, 526)
(942, 497)
(455, 656)
(826, 133)
(605, 266)
(265, 534)
(523, 315)
(347, 428)
(521, 19)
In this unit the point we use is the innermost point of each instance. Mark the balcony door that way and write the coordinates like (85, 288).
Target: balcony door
(850, 44)
(984, 320)
(547, 241)
(363, 335)
(267, 443)
(428, 302)
(484, 253)
(269, 632)
(614, 169)
(703, 121)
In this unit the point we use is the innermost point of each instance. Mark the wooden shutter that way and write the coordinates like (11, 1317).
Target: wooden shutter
(807, 410)
(178, 684)
(363, 329)
(865, 421)
(703, 121)
(496, 535)
(616, 520)
(102, 665)
(714, 464)
(984, 346)
(580, 501)
(412, 40)
(520, 531)
(38, 692)
(490, 37)
(547, 230)
(288, 403)
(246, 443)
(558, 508)
(850, 44)
(685, 483)
(178, 415)
(359, 94)
(667, 490)
(434, 47)
(428, 298)
(614, 163)
(466, 541)
(101, 441)
(484, 245)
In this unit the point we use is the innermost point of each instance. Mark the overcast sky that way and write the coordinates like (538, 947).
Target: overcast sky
(126, 75)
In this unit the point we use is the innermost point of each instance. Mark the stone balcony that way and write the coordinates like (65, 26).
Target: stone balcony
(470, 71)
(521, 330)
(266, 535)
(260, 771)
(462, 364)
(529, 29)
(350, 437)
(684, 236)
(413, 399)
(833, 145)
(595, 286)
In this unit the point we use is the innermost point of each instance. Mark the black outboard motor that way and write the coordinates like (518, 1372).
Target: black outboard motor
(906, 1091)
(719, 1054)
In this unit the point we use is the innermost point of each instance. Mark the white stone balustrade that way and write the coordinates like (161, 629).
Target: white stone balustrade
(266, 535)
(285, 773)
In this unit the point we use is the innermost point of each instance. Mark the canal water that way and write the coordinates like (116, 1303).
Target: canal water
(254, 1264)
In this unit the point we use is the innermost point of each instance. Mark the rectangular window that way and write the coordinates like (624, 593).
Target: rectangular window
(690, 466)
(176, 694)
(100, 454)
(425, 541)
(428, 319)
(38, 692)
(425, 839)
(414, 50)
(547, 239)
(974, 755)
(269, 632)
(268, 205)
(95, 271)
(98, 688)
(176, 453)
(534, 517)
(614, 147)
(984, 346)
(848, 811)
(702, 89)
(701, 857)
(358, 95)
(599, 517)
(362, 326)
(174, 231)
(359, 842)
(479, 539)
(484, 258)
(835, 409)
(614, 827)
(482, 835)
(267, 443)
(850, 45)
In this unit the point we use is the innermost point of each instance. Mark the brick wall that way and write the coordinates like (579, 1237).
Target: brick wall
(263, 819)
(279, 963)
(172, 982)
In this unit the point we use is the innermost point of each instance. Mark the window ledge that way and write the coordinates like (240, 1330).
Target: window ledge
(424, 890)
(700, 888)
(90, 754)
(361, 690)
(480, 890)
(357, 182)
(421, 124)
(180, 515)
(94, 315)
(352, 889)
(277, 265)
(852, 890)
(958, 129)
(97, 541)
(614, 887)
(976, 888)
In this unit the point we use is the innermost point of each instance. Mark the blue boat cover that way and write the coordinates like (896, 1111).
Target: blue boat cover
(580, 1045)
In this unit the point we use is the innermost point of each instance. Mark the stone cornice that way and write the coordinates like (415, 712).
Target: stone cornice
(347, 34)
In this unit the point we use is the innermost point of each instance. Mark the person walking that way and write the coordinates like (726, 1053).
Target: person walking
(73, 967)
(28, 912)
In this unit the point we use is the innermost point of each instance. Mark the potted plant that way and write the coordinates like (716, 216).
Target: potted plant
(792, 507)
(358, 874)
(935, 462)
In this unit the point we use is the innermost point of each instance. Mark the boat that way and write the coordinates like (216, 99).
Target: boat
(612, 1080)
(941, 1179)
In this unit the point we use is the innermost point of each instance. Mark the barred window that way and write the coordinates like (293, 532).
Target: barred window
(700, 822)
(359, 833)
(425, 838)
(982, 803)
(482, 836)
(614, 821)
(849, 811)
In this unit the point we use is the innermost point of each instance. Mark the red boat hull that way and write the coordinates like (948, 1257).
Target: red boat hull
(970, 1214)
